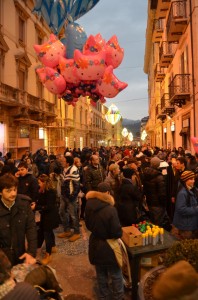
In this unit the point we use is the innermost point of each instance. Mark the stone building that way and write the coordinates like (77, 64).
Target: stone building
(30, 116)
(171, 62)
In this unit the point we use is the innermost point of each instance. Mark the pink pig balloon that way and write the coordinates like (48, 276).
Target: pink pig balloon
(194, 141)
(109, 86)
(52, 80)
(89, 67)
(50, 52)
(66, 67)
(114, 54)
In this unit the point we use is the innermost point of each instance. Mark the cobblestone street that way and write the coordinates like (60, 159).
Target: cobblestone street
(75, 274)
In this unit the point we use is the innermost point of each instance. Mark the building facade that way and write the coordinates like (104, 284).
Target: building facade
(30, 116)
(171, 62)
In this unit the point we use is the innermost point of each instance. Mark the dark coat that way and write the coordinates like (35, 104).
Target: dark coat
(102, 220)
(16, 225)
(93, 176)
(47, 207)
(28, 185)
(22, 290)
(128, 200)
(154, 187)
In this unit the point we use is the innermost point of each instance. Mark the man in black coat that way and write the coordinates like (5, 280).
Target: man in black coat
(156, 194)
(28, 184)
(129, 199)
(102, 220)
(17, 224)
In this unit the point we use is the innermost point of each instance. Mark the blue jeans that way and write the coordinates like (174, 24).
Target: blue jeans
(114, 274)
(69, 215)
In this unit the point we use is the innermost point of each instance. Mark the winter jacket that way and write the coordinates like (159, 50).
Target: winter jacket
(186, 210)
(93, 176)
(128, 201)
(71, 183)
(102, 220)
(22, 290)
(154, 187)
(47, 207)
(28, 185)
(16, 226)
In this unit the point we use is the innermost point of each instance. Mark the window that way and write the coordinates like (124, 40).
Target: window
(22, 80)
(21, 31)
(81, 110)
(23, 63)
(40, 89)
(21, 26)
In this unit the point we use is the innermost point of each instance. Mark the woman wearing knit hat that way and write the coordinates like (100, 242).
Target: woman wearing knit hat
(186, 209)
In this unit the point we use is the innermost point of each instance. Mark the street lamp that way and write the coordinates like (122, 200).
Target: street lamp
(143, 135)
(125, 132)
(130, 136)
(113, 115)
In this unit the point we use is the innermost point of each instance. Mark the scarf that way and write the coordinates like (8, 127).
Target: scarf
(6, 287)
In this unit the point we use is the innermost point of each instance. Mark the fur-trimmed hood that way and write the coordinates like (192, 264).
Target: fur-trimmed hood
(100, 196)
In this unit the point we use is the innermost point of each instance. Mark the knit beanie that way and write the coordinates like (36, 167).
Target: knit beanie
(187, 175)
(179, 280)
(155, 162)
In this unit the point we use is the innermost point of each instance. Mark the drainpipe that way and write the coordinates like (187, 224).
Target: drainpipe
(193, 67)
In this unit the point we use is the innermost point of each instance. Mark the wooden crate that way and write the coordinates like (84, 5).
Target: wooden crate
(131, 236)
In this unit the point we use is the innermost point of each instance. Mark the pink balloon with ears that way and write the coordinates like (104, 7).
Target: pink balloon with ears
(114, 53)
(94, 44)
(194, 141)
(50, 52)
(89, 67)
(109, 86)
(52, 80)
(66, 67)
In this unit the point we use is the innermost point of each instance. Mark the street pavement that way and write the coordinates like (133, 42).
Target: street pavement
(74, 272)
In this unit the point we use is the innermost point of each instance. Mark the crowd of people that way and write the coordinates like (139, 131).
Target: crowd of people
(108, 187)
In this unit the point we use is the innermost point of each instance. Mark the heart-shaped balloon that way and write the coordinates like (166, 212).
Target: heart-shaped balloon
(55, 13)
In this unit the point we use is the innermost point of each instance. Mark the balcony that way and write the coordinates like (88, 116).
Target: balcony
(159, 73)
(166, 106)
(69, 123)
(162, 8)
(158, 28)
(159, 114)
(11, 96)
(166, 53)
(179, 89)
(177, 21)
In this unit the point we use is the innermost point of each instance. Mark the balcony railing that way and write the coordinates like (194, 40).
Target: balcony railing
(167, 107)
(166, 53)
(162, 8)
(159, 114)
(69, 123)
(179, 89)
(158, 28)
(159, 73)
(177, 20)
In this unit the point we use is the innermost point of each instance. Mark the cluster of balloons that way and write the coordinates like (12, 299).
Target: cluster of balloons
(88, 73)
(194, 141)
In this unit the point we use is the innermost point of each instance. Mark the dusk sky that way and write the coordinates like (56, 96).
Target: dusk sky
(127, 20)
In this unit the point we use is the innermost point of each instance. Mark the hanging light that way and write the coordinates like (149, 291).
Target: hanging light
(113, 115)
(143, 135)
(130, 136)
(125, 132)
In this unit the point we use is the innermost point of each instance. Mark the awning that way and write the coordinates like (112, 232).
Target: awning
(185, 131)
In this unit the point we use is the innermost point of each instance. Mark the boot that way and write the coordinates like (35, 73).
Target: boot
(54, 249)
(47, 259)
(64, 234)
(74, 237)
